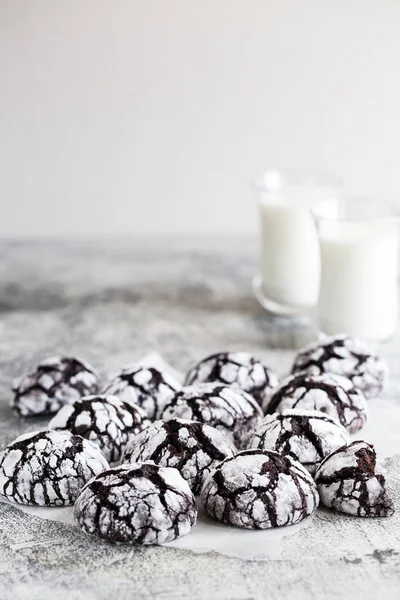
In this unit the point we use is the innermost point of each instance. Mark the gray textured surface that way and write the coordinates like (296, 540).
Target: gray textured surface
(111, 303)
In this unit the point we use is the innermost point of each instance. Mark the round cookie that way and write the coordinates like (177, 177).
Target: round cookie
(147, 387)
(308, 436)
(346, 356)
(48, 468)
(137, 504)
(57, 381)
(106, 421)
(347, 482)
(236, 369)
(259, 489)
(331, 394)
(233, 412)
(189, 446)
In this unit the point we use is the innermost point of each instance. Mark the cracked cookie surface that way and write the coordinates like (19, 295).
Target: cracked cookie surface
(149, 388)
(57, 381)
(259, 489)
(346, 356)
(106, 421)
(48, 468)
(308, 436)
(137, 504)
(347, 482)
(189, 446)
(331, 394)
(233, 412)
(236, 369)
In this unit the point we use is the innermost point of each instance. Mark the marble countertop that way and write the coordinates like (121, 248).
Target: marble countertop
(112, 302)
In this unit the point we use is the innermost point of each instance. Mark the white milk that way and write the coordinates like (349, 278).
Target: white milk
(358, 293)
(290, 262)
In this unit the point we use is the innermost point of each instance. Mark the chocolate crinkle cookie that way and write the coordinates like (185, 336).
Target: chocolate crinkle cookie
(106, 421)
(189, 446)
(236, 369)
(347, 482)
(308, 436)
(233, 412)
(57, 381)
(48, 468)
(137, 504)
(259, 489)
(331, 394)
(147, 387)
(346, 356)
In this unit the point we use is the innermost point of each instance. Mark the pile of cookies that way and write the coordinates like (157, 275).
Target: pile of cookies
(131, 454)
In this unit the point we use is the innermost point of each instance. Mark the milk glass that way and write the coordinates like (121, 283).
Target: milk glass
(359, 266)
(288, 279)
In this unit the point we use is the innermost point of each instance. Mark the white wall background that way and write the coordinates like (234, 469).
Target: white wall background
(145, 116)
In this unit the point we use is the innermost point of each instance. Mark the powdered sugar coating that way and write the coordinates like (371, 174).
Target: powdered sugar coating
(331, 394)
(347, 482)
(346, 356)
(137, 504)
(308, 436)
(147, 387)
(189, 446)
(48, 468)
(106, 421)
(57, 381)
(233, 412)
(259, 489)
(236, 369)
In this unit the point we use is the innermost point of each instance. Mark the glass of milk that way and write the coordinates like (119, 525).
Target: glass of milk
(359, 267)
(288, 280)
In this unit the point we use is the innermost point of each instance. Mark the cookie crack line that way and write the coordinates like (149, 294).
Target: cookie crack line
(104, 420)
(55, 382)
(48, 468)
(247, 491)
(156, 505)
(346, 356)
(239, 370)
(330, 393)
(189, 446)
(347, 482)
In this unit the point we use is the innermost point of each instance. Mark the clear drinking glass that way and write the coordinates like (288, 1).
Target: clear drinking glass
(288, 279)
(358, 240)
